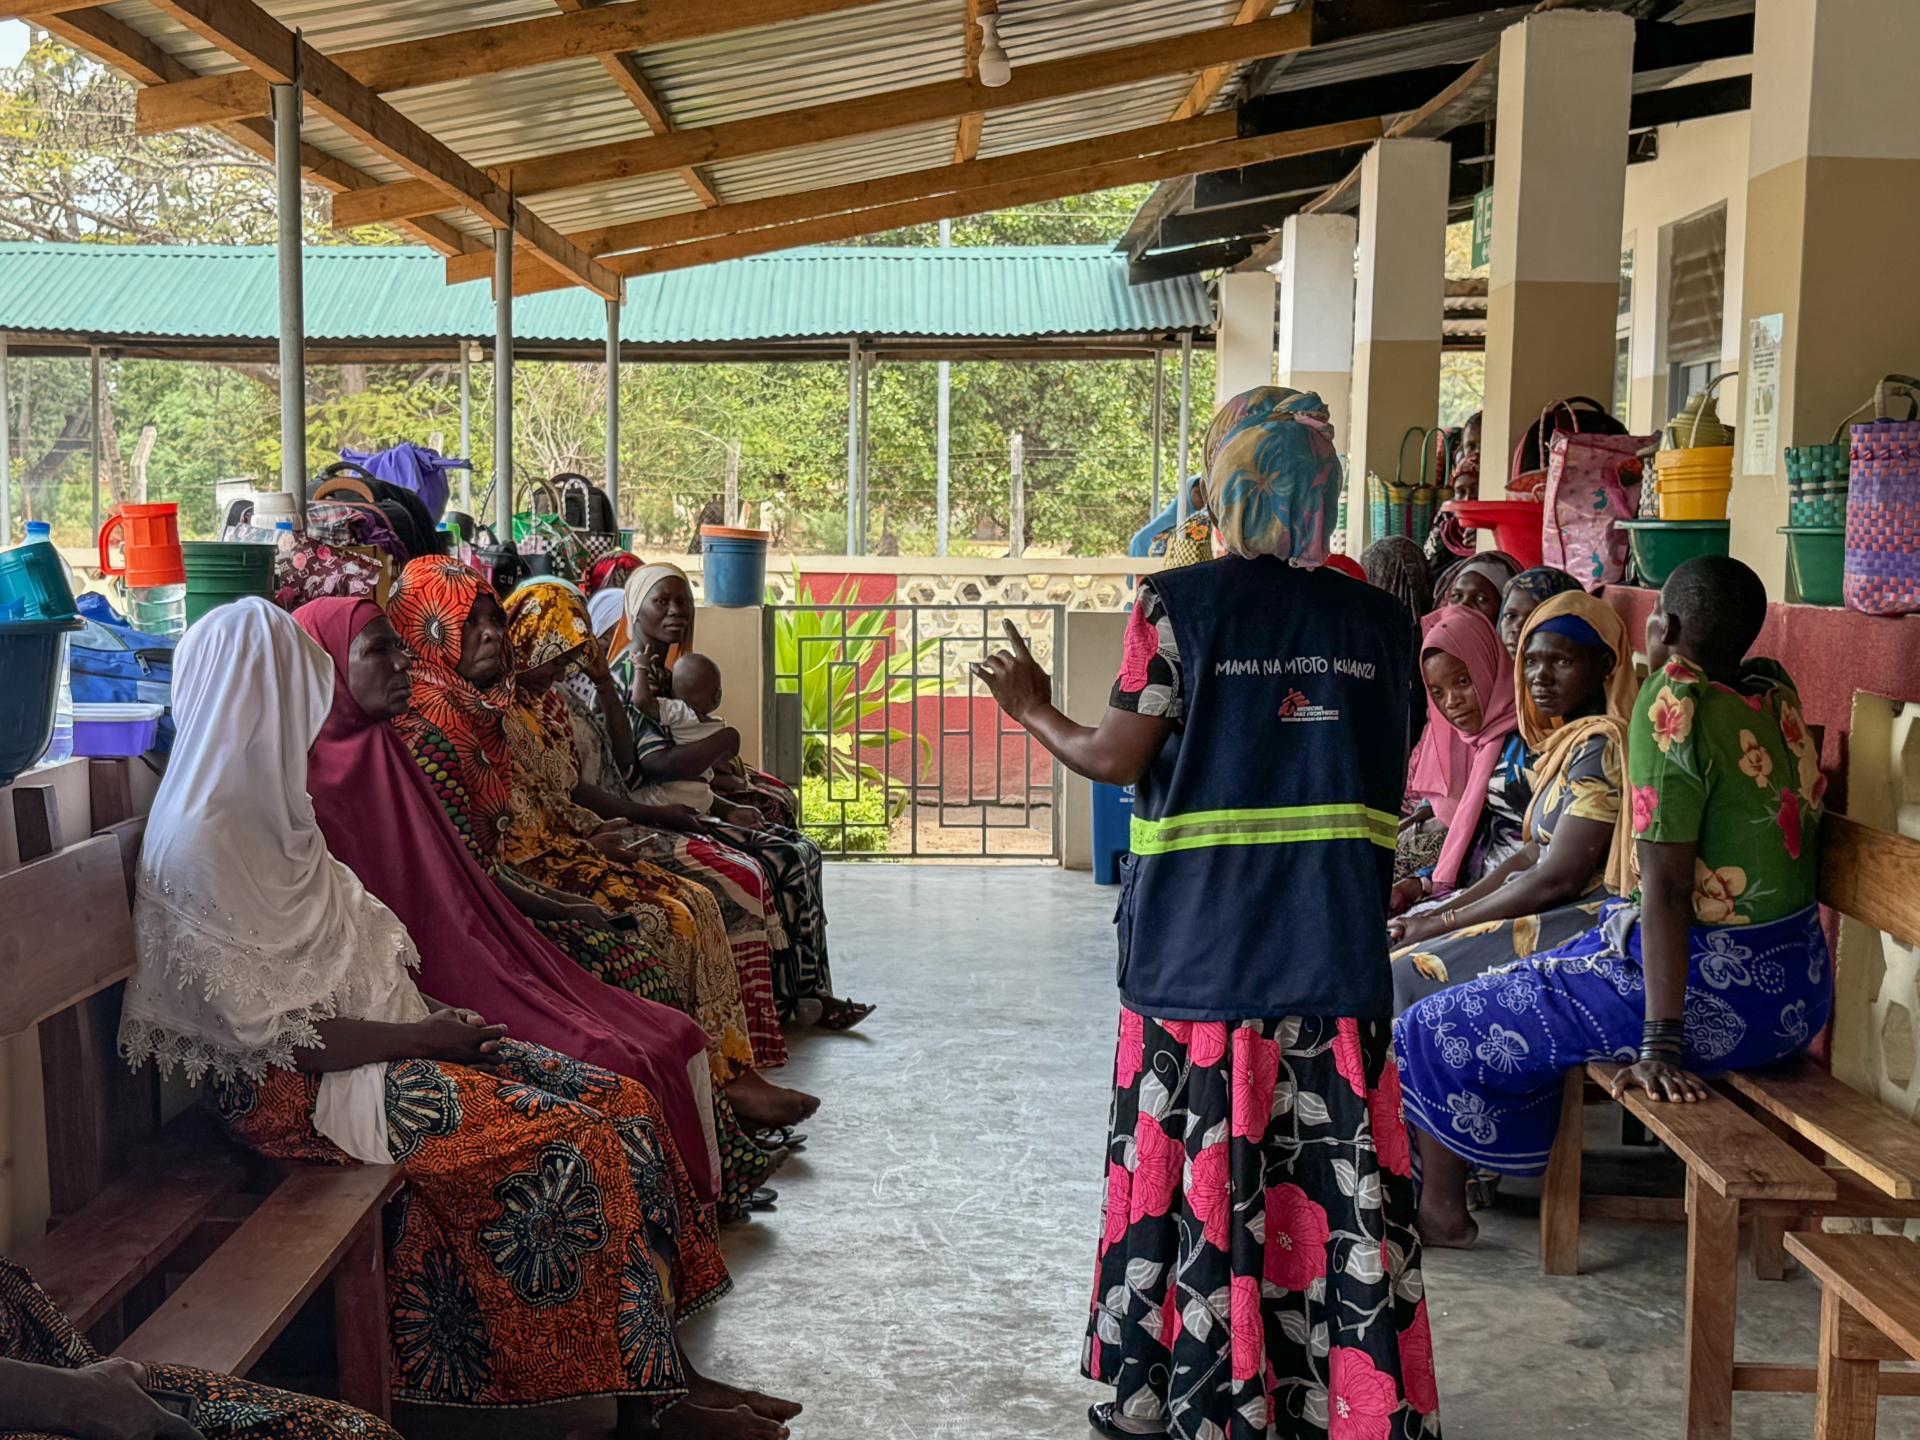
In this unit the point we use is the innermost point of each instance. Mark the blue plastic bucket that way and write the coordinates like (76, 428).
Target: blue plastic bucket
(30, 652)
(736, 565)
(1112, 830)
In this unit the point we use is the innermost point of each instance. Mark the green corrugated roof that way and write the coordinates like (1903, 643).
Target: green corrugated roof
(189, 294)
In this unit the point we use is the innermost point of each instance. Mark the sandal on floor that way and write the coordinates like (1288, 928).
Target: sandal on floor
(1100, 1417)
(763, 1199)
(843, 1014)
(781, 1137)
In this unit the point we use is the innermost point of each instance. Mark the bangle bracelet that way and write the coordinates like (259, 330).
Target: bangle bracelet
(1663, 1040)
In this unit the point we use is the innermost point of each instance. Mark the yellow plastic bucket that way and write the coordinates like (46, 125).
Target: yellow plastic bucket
(1689, 499)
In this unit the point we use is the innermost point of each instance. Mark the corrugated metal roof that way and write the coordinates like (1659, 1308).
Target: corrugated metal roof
(821, 61)
(195, 293)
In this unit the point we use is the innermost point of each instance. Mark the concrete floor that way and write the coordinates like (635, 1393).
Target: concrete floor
(926, 1275)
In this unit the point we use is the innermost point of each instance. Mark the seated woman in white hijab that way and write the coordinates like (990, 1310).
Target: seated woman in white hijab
(549, 1234)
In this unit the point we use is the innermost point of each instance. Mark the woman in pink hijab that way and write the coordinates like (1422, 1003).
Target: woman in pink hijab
(1468, 771)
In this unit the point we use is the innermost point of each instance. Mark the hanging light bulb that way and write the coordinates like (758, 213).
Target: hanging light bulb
(995, 68)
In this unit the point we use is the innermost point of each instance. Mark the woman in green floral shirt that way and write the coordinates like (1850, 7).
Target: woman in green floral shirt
(1718, 964)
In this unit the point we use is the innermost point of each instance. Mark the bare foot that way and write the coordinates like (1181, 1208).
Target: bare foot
(718, 1395)
(688, 1421)
(1443, 1228)
(766, 1106)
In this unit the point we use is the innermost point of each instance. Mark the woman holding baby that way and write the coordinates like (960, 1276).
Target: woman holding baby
(684, 753)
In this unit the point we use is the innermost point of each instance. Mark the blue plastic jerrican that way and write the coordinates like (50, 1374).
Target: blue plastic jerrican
(1112, 826)
(735, 565)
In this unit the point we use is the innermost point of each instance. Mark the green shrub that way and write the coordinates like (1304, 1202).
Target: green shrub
(867, 822)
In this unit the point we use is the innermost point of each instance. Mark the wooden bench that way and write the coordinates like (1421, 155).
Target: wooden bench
(1869, 1312)
(137, 1203)
(1766, 1151)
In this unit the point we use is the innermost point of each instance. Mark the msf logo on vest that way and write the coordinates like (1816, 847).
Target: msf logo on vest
(1297, 709)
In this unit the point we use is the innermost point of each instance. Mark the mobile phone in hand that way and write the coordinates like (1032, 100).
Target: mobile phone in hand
(183, 1403)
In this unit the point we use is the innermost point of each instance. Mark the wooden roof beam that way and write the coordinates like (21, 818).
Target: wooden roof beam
(801, 205)
(1206, 89)
(875, 114)
(34, 11)
(631, 77)
(979, 199)
(243, 30)
(134, 55)
(966, 138)
(489, 50)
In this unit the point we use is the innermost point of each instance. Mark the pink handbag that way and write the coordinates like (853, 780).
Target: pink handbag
(1593, 482)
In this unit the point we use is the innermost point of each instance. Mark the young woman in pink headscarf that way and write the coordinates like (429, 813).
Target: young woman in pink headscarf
(1468, 772)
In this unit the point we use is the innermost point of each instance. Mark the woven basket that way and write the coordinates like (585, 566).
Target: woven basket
(1883, 506)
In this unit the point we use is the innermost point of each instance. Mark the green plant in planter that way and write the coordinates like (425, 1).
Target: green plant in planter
(866, 816)
(842, 665)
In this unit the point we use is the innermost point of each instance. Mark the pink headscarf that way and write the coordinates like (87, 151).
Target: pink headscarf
(382, 821)
(1450, 769)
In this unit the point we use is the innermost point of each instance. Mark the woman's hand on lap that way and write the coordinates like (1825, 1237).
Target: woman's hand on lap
(459, 1037)
(1661, 1081)
(109, 1400)
(1406, 893)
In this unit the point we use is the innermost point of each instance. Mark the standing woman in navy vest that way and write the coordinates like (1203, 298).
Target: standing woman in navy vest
(1258, 1262)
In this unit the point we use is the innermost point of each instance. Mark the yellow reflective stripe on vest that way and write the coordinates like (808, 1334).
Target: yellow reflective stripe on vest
(1281, 825)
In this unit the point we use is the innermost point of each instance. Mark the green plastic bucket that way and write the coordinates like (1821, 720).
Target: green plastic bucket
(1818, 554)
(218, 572)
(1660, 545)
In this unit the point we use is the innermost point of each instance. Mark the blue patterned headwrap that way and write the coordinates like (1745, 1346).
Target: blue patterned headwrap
(1273, 477)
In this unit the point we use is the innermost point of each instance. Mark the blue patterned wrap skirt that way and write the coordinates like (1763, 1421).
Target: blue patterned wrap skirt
(1481, 1062)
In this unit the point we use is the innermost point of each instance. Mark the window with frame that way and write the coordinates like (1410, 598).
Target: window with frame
(1696, 304)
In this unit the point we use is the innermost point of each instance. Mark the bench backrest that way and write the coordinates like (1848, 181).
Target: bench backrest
(1872, 875)
(65, 947)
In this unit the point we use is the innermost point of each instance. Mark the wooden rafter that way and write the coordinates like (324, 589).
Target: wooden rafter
(36, 10)
(491, 50)
(1206, 88)
(631, 76)
(966, 139)
(890, 110)
(134, 55)
(249, 34)
(981, 198)
(801, 205)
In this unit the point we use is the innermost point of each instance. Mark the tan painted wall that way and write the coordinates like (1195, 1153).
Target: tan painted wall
(731, 638)
(1561, 344)
(1083, 685)
(1396, 386)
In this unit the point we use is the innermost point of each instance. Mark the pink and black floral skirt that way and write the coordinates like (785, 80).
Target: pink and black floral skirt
(1259, 1271)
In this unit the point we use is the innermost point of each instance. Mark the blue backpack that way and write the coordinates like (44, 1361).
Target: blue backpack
(115, 664)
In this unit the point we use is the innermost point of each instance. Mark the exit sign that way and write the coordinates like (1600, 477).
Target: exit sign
(1482, 226)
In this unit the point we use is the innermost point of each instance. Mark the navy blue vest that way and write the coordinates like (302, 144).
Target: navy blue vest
(1263, 834)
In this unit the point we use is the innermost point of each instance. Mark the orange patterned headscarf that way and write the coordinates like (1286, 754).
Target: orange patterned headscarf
(429, 607)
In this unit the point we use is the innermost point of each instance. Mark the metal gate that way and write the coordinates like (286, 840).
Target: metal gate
(895, 747)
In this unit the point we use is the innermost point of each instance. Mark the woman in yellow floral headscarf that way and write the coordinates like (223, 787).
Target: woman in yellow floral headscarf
(1574, 692)
(554, 836)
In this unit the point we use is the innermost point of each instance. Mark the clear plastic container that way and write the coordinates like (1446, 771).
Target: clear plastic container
(158, 610)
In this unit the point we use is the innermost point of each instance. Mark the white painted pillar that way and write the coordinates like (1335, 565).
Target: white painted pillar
(1399, 304)
(1243, 340)
(1159, 427)
(1315, 347)
(1833, 224)
(293, 308)
(943, 470)
(1560, 162)
(93, 429)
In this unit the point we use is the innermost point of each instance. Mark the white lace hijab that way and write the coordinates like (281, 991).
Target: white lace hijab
(247, 930)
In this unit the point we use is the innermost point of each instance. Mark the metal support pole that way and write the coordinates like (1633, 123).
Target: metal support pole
(730, 491)
(943, 484)
(293, 311)
(853, 445)
(613, 410)
(93, 400)
(1159, 425)
(1017, 508)
(866, 446)
(6, 448)
(503, 384)
(466, 428)
(1186, 420)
